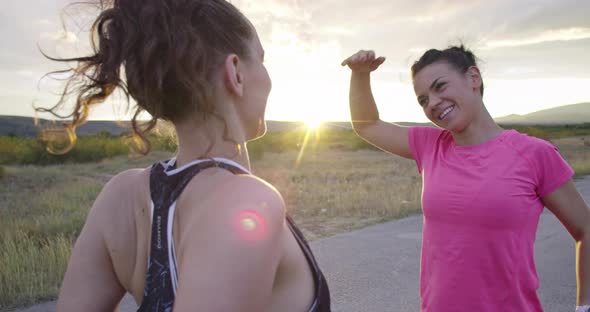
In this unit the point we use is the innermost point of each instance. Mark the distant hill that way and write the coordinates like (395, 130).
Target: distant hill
(567, 114)
(25, 126)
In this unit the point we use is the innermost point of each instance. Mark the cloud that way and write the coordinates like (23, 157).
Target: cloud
(27, 73)
(44, 22)
(548, 59)
(305, 41)
(574, 33)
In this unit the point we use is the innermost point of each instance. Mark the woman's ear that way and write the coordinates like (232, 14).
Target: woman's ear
(474, 76)
(233, 78)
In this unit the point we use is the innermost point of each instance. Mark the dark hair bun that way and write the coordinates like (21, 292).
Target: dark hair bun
(459, 57)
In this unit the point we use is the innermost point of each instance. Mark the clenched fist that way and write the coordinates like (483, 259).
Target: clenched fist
(363, 61)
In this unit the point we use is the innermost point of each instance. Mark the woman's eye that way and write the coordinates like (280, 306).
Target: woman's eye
(439, 86)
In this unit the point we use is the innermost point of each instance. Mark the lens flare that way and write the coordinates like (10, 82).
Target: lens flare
(312, 131)
(248, 224)
(313, 124)
(251, 226)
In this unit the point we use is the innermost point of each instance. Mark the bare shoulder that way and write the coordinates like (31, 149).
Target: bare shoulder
(238, 206)
(114, 205)
(236, 193)
(123, 186)
(126, 180)
(231, 240)
(253, 190)
(261, 196)
(220, 187)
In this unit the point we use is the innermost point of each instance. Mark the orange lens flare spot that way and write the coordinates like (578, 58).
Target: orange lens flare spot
(251, 225)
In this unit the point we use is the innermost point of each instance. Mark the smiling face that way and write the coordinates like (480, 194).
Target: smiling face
(449, 98)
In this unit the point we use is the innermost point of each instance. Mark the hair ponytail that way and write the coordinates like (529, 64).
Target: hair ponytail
(168, 50)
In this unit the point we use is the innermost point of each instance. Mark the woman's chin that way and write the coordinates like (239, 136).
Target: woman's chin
(259, 132)
(441, 124)
(453, 125)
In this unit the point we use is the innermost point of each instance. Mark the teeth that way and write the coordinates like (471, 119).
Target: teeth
(446, 112)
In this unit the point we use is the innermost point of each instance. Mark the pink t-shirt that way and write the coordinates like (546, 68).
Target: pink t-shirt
(481, 209)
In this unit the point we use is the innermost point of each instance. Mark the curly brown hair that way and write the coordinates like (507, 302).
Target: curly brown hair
(167, 49)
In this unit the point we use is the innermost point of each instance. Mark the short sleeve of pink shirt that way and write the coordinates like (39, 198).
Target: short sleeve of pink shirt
(481, 208)
(422, 142)
(550, 168)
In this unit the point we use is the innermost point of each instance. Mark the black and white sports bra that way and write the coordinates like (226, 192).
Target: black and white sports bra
(166, 184)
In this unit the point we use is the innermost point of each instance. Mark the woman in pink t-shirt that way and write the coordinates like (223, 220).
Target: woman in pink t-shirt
(483, 192)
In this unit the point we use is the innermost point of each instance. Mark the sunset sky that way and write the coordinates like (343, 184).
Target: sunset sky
(535, 53)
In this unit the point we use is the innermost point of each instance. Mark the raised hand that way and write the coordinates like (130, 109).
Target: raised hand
(363, 61)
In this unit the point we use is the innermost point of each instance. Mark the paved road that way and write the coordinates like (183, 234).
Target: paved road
(376, 269)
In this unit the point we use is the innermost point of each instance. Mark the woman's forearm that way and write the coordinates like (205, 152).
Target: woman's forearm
(583, 269)
(363, 110)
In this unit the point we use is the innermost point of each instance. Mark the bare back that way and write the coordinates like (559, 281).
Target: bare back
(119, 227)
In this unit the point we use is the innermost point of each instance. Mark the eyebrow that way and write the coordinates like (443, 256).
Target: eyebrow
(435, 81)
(431, 86)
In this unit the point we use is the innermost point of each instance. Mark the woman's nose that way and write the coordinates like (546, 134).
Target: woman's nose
(434, 101)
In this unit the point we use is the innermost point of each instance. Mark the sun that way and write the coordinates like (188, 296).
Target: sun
(313, 123)
(312, 133)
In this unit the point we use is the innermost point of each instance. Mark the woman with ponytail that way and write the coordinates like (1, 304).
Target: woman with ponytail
(197, 232)
(484, 188)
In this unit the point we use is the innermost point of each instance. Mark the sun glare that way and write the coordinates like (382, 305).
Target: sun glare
(312, 133)
(313, 124)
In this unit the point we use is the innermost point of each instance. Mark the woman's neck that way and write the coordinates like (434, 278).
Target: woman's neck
(207, 140)
(482, 129)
